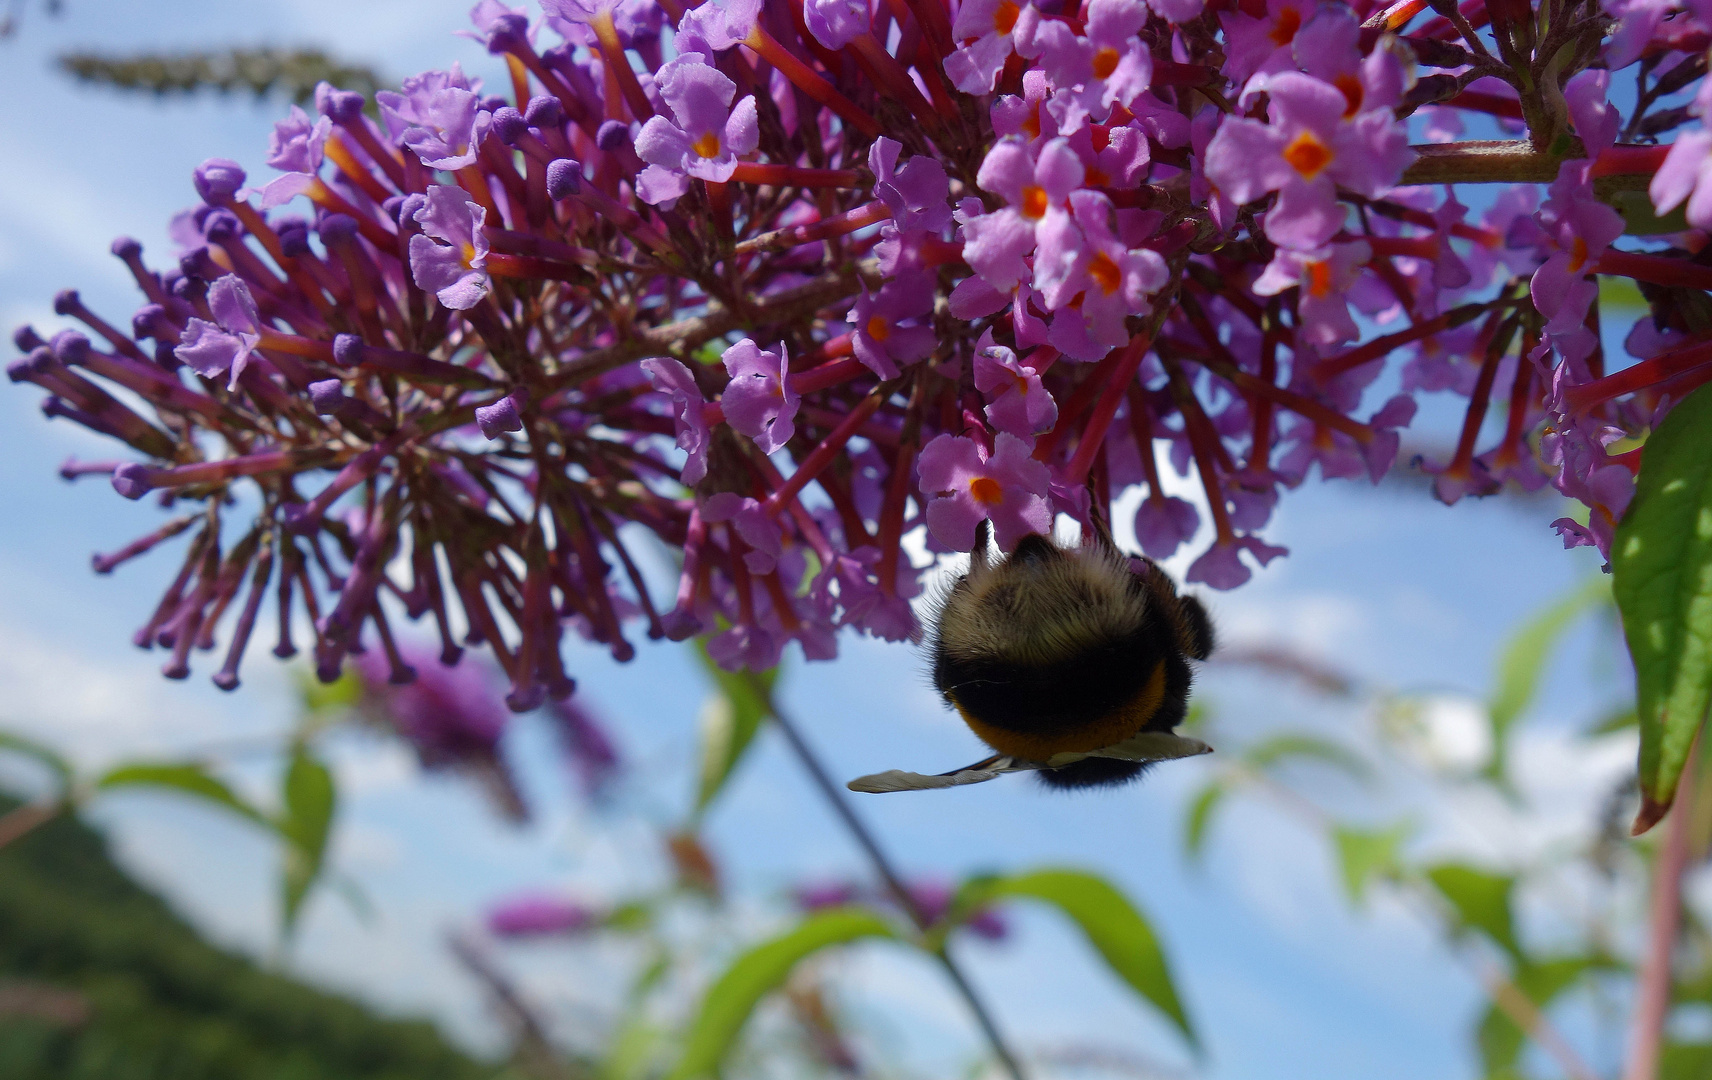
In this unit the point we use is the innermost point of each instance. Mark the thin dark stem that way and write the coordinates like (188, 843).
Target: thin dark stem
(888, 873)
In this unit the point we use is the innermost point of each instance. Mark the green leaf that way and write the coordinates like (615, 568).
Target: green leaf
(295, 72)
(1524, 659)
(1200, 816)
(1685, 1061)
(1499, 1038)
(1280, 748)
(729, 722)
(1365, 855)
(728, 1003)
(632, 1050)
(308, 799)
(1113, 926)
(1481, 900)
(52, 759)
(1661, 565)
(187, 777)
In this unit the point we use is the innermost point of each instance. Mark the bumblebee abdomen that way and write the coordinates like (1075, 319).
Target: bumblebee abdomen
(1035, 715)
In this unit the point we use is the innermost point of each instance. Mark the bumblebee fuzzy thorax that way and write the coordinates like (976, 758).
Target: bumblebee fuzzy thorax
(1066, 650)
(1041, 606)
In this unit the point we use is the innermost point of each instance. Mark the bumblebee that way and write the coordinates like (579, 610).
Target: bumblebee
(1072, 662)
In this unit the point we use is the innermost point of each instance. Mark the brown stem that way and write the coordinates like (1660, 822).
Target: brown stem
(1653, 1007)
(894, 884)
(24, 819)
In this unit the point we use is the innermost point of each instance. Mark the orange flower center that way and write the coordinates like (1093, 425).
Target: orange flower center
(1351, 87)
(1034, 202)
(1105, 62)
(1031, 122)
(1105, 273)
(1289, 21)
(986, 491)
(468, 254)
(708, 145)
(1577, 255)
(1308, 155)
(1096, 177)
(878, 328)
(1319, 279)
(1005, 16)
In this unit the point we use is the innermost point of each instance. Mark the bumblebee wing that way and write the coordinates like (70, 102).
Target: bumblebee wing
(899, 780)
(1143, 746)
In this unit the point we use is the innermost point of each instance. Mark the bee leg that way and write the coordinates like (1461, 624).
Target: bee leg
(1197, 626)
(1102, 530)
(979, 556)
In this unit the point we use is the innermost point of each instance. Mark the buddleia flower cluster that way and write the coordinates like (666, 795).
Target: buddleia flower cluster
(773, 285)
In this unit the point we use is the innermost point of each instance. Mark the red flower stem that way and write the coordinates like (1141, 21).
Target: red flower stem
(1476, 414)
(761, 172)
(821, 456)
(618, 63)
(1416, 247)
(782, 606)
(331, 201)
(1652, 1008)
(352, 169)
(826, 375)
(1516, 420)
(628, 221)
(811, 84)
(385, 159)
(806, 524)
(1077, 404)
(1379, 347)
(1141, 429)
(1319, 413)
(1491, 104)
(1398, 17)
(855, 529)
(572, 102)
(891, 78)
(1094, 434)
(1655, 269)
(1580, 399)
(826, 228)
(214, 472)
(1199, 431)
(1041, 359)
(1630, 161)
(892, 512)
(935, 23)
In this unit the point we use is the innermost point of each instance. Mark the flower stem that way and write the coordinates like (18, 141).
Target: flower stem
(1653, 1008)
(888, 874)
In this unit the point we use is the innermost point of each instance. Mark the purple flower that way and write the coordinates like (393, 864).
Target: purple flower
(836, 23)
(1007, 488)
(1221, 566)
(672, 377)
(451, 715)
(1580, 228)
(752, 524)
(1163, 523)
(918, 194)
(998, 28)
(719, 25)
(997, 244)
(759, 401)
(1263, 44)
(1109, 66)
(225, 344)
(745, 647)
(454, 269)
(1324, 277)
(1090, 279)
(537, 916)
(295, 148)
(880, 337)
(586, 743)
(503, 415)
(1016, 401)
(438, 116)
(709, 134)
(1305, 154)
(1686, 175)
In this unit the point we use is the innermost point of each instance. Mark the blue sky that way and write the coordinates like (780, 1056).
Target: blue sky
(1283, 979)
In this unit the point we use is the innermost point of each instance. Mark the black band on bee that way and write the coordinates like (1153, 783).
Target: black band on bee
(1093, 773)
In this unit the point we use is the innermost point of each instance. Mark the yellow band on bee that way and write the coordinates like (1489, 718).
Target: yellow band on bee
(1103, 731)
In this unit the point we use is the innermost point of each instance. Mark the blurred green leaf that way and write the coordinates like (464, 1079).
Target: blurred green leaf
(1524, 659)
(320, 698)
(1281, 748)
(633, 1050)
(727, 1005)
(1499, 1038)
(293, 72)
(1685, 1061)
(629, 917)
(1365, 855)
(729, 722)
(1661, 565)
(1481, 900)
(1618, 720)
(1640, 218)
(52, 759)
(308, 800)
(1201, 816)
(187, 777)
(1113, 926)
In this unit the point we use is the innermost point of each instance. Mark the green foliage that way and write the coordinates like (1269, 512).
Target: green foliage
(1364, 855)
(320, 699)
(1661, 564)
(164, 1005)
(729, 722)
(1481, 901)
(1201, 816)
(306, 818)
(292, 72)
(1524, 660)
(188, 778)
(1685, 1061)
(760, 970)
(1499, 1038)
(42, 755)
(1113, 926)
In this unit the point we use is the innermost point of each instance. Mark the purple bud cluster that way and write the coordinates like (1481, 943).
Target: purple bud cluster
(779, 283)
